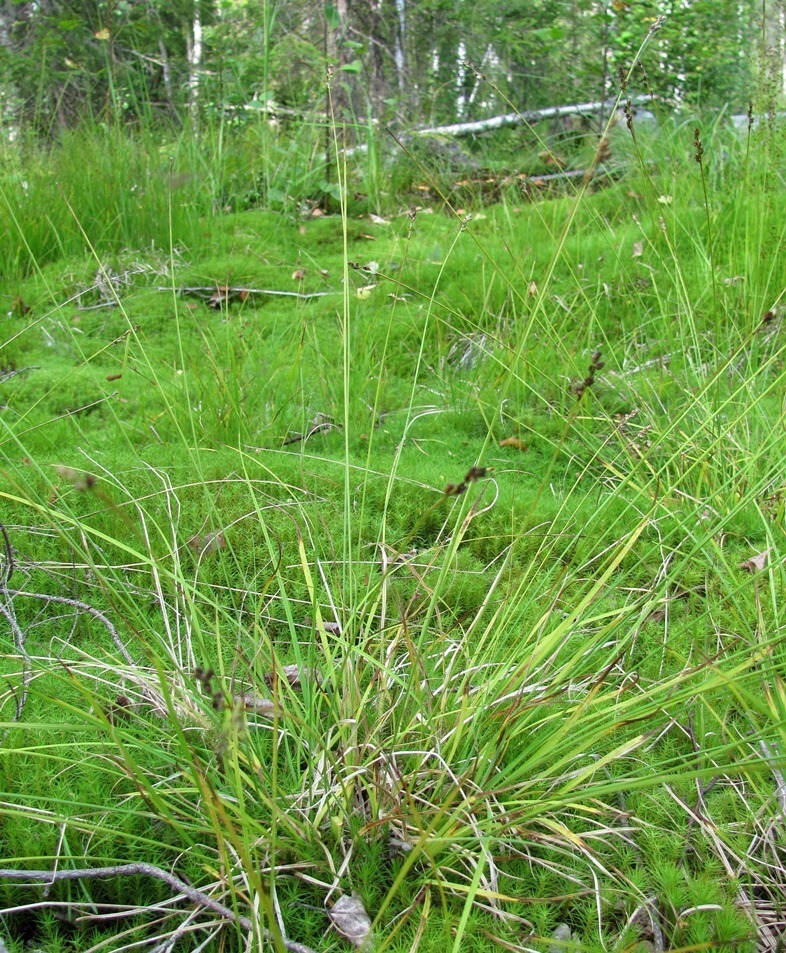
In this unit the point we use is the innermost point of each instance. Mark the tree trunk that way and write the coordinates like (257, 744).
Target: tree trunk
(400, 44)
(336, 25)
(194, 53)
(337, 105)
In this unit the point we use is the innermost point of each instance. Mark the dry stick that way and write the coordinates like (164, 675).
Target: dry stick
(50, 877)
(10, 565)
(84, 607)
(96, 307)
(149, 870)
(237, 290)
(527, 116)
(325, 427)
(7, 375)
(508, 119)
(598, 172)
(27, 673)
(8, 611)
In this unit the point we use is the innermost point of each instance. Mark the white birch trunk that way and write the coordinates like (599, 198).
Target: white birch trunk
(782, 44)
(398, 49)
(194, 52)
(531, 115)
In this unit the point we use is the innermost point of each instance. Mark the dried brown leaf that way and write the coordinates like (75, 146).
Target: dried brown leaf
(349, 917)
(20, 308)
(79, 479)
(755, 563)
(220, 296)
(290, 672)
(657, 615)
(207, 543)
(256, 704)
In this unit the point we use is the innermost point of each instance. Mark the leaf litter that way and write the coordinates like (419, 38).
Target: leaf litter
(755, 563)
(349, 917)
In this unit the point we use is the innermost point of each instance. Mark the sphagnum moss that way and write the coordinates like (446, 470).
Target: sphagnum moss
(490, 713)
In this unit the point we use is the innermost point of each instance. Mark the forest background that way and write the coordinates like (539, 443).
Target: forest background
(394, 62)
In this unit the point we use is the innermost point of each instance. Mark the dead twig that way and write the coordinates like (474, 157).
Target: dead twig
(149, 870)
(6, 375)
(10, 565)
(83, 607)
(320, 424)
(27, 671)
(7, 610)
(207, 292)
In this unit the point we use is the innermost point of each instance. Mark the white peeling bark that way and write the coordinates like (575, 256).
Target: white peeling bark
(194, 52)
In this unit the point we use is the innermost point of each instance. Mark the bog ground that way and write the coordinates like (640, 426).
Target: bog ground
(406, 576)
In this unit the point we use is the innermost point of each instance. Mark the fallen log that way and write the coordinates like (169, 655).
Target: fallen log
(528, 116)
(217, 295)
(510, 119)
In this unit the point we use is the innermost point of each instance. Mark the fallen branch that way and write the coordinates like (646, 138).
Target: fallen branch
(320, 425)
(6, 375)
(529, 115)
(27, 671)
(230, 291)
(510, 119)
(599, 172)
(82, 607)
(7, 610)
(149, 870)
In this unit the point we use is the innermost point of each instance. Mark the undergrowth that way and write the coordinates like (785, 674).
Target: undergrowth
(447, 583)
